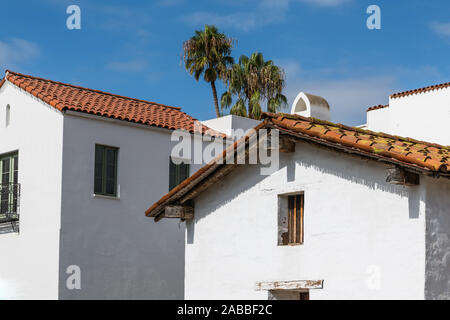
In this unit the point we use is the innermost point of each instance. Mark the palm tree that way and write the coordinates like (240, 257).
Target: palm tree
(252, 81)
(208, 53)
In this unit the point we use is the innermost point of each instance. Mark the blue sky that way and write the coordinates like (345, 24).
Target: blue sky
(133, 48)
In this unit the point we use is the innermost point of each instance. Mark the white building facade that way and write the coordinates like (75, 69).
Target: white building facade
(421, 114)
(62, 220)
(365, 233)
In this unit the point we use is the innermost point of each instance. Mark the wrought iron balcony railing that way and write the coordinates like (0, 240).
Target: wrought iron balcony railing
(9, 202)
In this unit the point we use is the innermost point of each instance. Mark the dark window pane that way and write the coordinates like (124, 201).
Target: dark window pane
(105, 170)
(4, 195)
(15, 196)
(172, 174)
(110, 163)
(16, 163)
(110, 187)
(184, 172)
(111, 155)
(98, 187)
(16, 169)
(5, 170)
(177, 173)
(8, 184)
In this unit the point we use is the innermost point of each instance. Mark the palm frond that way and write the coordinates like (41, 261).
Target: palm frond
(239, 108)
(226, 100)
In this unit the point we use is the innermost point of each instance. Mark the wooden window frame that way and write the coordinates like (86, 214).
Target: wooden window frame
(296, 223)
(103, 192)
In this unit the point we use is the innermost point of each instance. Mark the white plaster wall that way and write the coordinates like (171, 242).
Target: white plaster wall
(122, 254)
(423, 116)
(365, 238)
(29, 259)
(378, 120)
(231, 122)
(437, 280)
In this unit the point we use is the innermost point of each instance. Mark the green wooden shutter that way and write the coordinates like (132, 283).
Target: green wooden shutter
(105, 176)
(177, 173)
(98, 188)
(172, 174)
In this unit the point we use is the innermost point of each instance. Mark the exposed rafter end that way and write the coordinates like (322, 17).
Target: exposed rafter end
(287, 144)
(183, 212)
(399, 176)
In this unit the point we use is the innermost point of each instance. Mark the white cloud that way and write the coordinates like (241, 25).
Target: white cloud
(348, 98)
(349, 94)
(17, 51)
(442, 29)
(350, 91)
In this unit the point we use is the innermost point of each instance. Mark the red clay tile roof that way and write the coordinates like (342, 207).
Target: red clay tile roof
(64, 96)
(378, 107)
(416, 156)
(420, 90)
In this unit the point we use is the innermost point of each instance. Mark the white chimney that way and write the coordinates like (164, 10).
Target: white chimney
(230, 124)
(309, 105)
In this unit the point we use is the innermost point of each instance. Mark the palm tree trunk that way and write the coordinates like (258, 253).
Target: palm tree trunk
(216, 101)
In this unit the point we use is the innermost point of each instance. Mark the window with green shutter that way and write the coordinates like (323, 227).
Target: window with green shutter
(177, 173)
(9, 186)
(105, 181)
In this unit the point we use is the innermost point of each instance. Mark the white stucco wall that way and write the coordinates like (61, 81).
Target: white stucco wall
(365, 238)
(437, 280)
(122, 254)
(228, 123)
(29, 259)
(424, 116)
(378, 120)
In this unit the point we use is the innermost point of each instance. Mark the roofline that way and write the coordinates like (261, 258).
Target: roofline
(128, 123)
(198, 176)
(355, 129)
(92, 116)
(58, 106)
(7, 72)
(380, 106)
(420, 90)
(209, 170)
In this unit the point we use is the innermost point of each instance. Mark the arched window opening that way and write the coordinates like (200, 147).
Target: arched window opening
(8, 115)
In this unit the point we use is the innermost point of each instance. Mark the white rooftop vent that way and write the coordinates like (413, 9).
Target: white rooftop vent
(309, 105)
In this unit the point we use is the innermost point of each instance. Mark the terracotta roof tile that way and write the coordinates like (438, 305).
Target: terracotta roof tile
(420, 90)
(64, 96)
(378, 107)
(424, 157)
